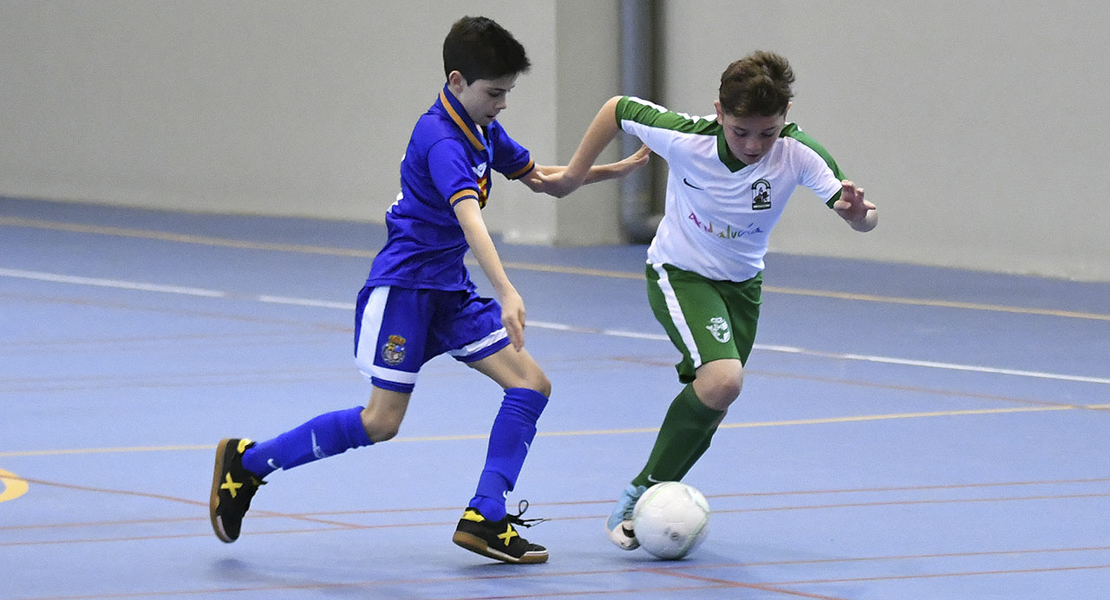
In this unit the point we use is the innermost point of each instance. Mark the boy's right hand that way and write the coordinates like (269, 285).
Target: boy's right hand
(512, 317)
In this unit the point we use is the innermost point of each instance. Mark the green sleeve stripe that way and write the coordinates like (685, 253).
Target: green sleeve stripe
(792, 131)
(634, 109)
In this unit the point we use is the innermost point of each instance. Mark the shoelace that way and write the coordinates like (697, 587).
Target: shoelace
(516, 519)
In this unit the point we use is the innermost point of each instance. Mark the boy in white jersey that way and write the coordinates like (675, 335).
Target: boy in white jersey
(730, 177)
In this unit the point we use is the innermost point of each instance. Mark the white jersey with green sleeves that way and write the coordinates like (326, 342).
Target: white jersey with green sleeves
(720, 211)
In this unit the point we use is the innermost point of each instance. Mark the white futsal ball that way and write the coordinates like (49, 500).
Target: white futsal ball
(671, 519)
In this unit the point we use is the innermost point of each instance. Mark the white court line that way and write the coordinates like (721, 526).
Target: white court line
(844, 356)
(305, 302)
(112, 283)
(189, 291)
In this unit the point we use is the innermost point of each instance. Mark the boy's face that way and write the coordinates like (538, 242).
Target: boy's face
(750, 138)
(483, 99)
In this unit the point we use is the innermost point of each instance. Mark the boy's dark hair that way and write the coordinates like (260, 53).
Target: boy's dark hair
(757, 85)
(479, 48)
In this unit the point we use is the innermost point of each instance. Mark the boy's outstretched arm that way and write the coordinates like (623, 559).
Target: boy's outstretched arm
(559, 181)
(481, 245)
(860, 214)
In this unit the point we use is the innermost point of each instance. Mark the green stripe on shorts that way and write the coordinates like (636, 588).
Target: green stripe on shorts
(706, 320)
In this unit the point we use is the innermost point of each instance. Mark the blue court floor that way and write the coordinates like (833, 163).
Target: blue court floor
(904, 432)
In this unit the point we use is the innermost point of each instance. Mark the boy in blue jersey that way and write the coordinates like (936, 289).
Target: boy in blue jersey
(729, 178)
(419, 301)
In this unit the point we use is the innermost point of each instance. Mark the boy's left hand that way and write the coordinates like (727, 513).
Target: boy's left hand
(852, 207)
(634, 161)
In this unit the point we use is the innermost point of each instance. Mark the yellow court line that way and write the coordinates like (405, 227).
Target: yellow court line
(593, 432)
(525, 266)
(117, 450)
(917, 415)
(13, 486)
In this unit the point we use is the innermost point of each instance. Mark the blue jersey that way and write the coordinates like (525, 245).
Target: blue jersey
(449, 159)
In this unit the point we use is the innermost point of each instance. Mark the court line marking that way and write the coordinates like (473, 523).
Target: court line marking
(591, 432)
(341, 520)
(309, 302)
(525, 266)
(283, 247)
(682, 571)
(839, 355)
(14, 486)
(328, 517)
(111, 283)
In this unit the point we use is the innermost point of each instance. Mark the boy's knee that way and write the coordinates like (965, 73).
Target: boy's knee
(380, 427)
(534, 379)
(719, 385)
(543, 384)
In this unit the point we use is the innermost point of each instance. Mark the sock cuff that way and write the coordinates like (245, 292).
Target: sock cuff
(356, 432)
(697, 408)
(527, 400)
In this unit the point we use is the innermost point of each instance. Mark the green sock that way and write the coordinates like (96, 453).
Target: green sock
(683, 438)
(690, 462)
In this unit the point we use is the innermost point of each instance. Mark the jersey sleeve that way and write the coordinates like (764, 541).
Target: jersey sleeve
(450, 171)
(656, 126)
(507, 156)
(819, 172)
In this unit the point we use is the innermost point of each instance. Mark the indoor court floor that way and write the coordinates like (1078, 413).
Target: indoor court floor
(904, 432)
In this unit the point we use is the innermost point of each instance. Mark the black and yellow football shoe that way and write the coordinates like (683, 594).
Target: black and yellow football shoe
(232, 489)
(498, 540)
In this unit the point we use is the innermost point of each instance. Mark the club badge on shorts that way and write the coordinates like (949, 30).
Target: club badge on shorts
(719, 328)
(393, 352)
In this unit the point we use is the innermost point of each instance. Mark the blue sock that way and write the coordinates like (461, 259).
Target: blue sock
(326, 435)
(509, 439)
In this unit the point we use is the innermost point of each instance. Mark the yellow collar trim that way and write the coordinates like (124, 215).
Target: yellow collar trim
(478, 145)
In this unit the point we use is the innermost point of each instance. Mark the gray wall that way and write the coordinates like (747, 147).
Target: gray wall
(977, 126)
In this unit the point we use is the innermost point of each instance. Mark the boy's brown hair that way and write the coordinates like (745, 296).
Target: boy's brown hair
(757, 85)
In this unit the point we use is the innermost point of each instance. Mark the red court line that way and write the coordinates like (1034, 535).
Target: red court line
(952, 574)
(340, 525)
(518, 574)
(918, 488)
(261, 513)
(912, 502)
(896, 557)
(753, 586)
(319, 517)
(679, 570)
(709, 582)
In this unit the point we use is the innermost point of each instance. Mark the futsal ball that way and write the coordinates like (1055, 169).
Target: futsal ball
(671, 519)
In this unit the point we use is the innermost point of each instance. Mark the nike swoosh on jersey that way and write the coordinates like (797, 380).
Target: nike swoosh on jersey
(692, 185)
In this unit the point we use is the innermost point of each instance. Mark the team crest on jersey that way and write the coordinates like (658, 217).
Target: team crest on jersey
(719, 328)
(393, 352)
(483, 191)
(761, 195)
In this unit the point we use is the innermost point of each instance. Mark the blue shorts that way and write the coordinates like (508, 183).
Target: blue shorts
(397, 330)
